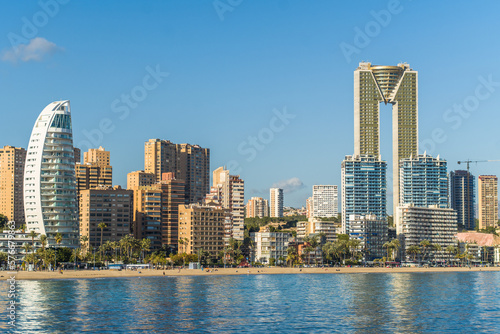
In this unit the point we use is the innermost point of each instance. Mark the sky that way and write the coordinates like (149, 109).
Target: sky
(266, 85)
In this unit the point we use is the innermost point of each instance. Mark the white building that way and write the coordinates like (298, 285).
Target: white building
(371, 231)
(276, 205)
(50, 203)
(270, 245)
(325, 201)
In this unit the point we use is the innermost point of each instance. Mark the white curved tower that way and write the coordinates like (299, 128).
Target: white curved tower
(50, 205)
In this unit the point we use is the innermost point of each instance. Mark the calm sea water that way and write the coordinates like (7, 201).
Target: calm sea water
(346, 303)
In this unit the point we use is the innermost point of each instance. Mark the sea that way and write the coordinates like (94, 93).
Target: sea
(466, 302)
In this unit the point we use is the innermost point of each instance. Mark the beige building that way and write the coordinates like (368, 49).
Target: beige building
(395, 85)
(156, 211)
(201, 227)
(190, 163)
(232, 197)
(276, 202)
(112, 206)
(487, 188)
(257, 207)
(11, 183)
(140, 179)
(95, 171)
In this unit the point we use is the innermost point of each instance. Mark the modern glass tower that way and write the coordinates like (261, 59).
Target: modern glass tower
(424, 181)
(397, 85)
(50, 204)
(462, 197)
(364, 188)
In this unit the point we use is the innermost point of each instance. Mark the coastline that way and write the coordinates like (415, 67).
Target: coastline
(89, 274)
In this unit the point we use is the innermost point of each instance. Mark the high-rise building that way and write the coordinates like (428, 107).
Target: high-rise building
(111, 206)
(309, 207)
(423, 181)
(435, 224)
(50, 202)
(487, 189)
(95, 171)
(276, 202)
(78, 155)
(156, 211)
(371, 231)
(397, 85)
(140, 179)
(363, 188)
(97, 156)
(190, 163)
(462, 196)
(12, 161)
(325, 201)
(232, 197)
(201, 227)
(257, 207)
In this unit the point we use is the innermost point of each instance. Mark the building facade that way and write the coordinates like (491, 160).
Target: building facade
(140, 179)
(90, 176)
(462, 195)
(325, 201)
(190, 163)
(487, 188)
(50, 201)
(363, 188)
(371, 231)
(201, 227)
(12, 161)
(111, 206)
(257, 207)
(270, 245)
(435, 224)
(423, 181)
(396, 85)
(276, 202)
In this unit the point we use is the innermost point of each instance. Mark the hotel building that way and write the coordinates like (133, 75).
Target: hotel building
(462, 195)
(325, 201)
(371, 231)
(487, 189)
(276, 202)
(50, 201)
(257, 207)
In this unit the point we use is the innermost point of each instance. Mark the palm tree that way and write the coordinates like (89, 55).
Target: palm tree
(388, 246)
(450, 250)
(102, 226)
(291, 255)
(58, 239)
(33, 235)
(84, 240)
(43, 241)
(145, 246)
(425, 244)
(414, 250)
(395, 246)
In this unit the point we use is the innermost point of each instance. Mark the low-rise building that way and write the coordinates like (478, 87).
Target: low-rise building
(270, 245)
(17, 239)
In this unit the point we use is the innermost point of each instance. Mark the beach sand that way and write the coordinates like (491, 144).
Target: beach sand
(86, 274)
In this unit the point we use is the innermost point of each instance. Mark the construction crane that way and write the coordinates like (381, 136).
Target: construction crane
(474, 161)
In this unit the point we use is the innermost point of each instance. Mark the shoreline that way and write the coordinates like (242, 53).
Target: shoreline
(90, 274)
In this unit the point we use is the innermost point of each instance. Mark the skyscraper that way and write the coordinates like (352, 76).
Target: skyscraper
(95, 171)
(139, 179)
(257, 207)
(232, 197)
(363, 188)
(423, 181)
(50, 202)
(397, 85)
(190, 163)
(325, 201)
(276, 202)
(487, 189)
(11, 183)
(462, 196)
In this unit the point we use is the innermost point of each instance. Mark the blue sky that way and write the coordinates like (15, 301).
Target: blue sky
(225, 70)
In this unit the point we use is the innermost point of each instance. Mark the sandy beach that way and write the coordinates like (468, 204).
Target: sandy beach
(89, 274)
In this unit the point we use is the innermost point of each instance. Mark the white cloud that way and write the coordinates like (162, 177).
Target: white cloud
(35, 50)
(290, 185)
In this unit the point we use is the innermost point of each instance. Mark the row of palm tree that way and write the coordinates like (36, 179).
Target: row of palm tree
(342, 249)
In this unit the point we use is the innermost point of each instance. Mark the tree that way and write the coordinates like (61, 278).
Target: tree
(388, 246)
(395, 246)
(43, 241)
(58, 240)
(145, 246)
(291, 255)
(3, 221)
(425, 244)
(102, 226)
(33, 235)
(414, 250)
(83, 240)
(450, 250)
